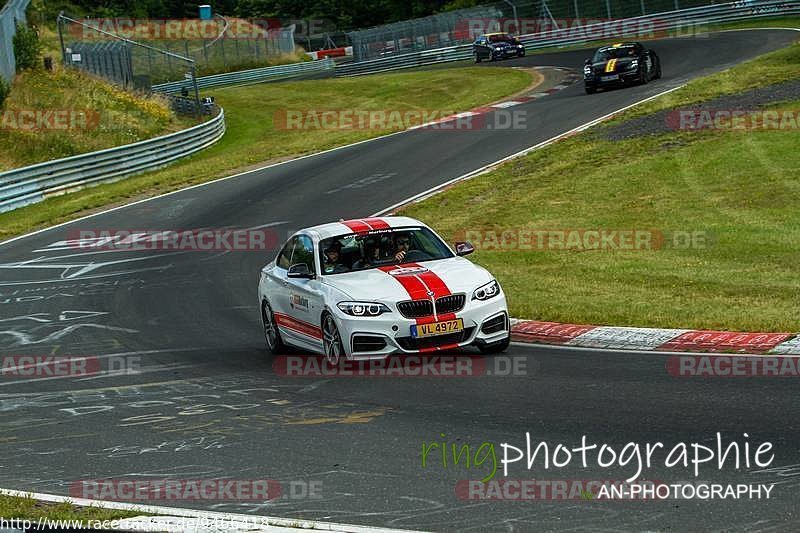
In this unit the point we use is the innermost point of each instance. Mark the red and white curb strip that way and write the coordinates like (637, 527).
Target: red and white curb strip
(176, 519)
(519, 100)
(654, 339)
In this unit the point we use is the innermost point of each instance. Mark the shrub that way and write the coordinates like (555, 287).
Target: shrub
(5, 89)
(27, 47)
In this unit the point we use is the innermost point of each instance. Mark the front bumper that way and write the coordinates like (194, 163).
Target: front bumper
(612, 79)
(505, 53)
(485, 322)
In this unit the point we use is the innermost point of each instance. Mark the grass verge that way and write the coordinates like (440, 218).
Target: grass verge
(737, 190)
(27, 508)
(98, 116)
(253, 139)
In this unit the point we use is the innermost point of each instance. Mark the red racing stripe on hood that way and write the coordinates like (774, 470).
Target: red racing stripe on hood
(414, 287)
(435, 284)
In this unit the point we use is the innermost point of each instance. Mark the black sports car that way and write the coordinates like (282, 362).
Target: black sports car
(493, 46)
(620, 64)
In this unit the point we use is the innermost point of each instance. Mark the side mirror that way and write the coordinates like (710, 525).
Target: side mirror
(300, 271)
(464, 248)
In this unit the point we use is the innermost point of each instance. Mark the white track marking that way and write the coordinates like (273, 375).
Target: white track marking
(270, 523)
(526, 151)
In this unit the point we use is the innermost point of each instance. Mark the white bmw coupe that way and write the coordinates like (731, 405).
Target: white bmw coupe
(370, 288)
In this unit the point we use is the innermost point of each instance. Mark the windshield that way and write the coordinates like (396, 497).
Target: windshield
(604, 54)
(501, 39)
(351, 253)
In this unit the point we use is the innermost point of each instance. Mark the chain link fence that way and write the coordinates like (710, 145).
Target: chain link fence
(11, 14)
(513, 16)
(160, 48)
(129, 64)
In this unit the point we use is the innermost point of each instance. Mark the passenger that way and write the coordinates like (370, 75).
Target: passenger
(332, 263)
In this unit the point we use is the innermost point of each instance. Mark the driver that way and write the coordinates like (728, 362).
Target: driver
(402, 244)
(332, 263)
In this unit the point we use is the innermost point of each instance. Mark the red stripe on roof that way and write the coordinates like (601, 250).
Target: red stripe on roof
(377, 223)
(357, 226)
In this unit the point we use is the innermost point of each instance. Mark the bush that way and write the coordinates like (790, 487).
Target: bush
(5, 89)
(27, 47)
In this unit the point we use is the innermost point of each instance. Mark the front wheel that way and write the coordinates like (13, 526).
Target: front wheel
(590, 90)
(496, 347)
(271, 334)
(331, 340)
(521, 53)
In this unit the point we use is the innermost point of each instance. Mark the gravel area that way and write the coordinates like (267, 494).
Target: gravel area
(667, 120)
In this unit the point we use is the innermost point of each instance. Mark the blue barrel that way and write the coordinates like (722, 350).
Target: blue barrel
(205, 12)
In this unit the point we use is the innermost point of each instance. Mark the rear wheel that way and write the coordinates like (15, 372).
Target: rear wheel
(476, 57)
(331, 340)
(271, 334)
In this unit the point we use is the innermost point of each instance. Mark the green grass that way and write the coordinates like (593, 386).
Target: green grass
(27, 508)
(774, 67)
(739, 189)
(122, 117)
(252, 139)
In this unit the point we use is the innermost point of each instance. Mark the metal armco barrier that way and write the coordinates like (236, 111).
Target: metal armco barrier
(28, 185)
(683, 22)
(249, 76)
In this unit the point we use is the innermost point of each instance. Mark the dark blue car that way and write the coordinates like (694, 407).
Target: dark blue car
(491, 46)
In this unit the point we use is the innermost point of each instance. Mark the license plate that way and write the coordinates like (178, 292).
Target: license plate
(437, 328)
(610, 78)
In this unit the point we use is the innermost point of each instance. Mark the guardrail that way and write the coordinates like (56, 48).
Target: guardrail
(10, 15)
(249, 76)
(684, 20)
(28, 185)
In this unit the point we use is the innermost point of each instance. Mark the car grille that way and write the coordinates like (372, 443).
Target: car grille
(420, 308)
(413, 344)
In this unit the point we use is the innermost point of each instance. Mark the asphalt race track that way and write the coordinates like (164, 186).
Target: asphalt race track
(208, 402)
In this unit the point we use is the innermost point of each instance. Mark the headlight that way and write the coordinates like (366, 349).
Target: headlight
(634, 64)
(484, 292)
(363, 308)
(587, 70)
